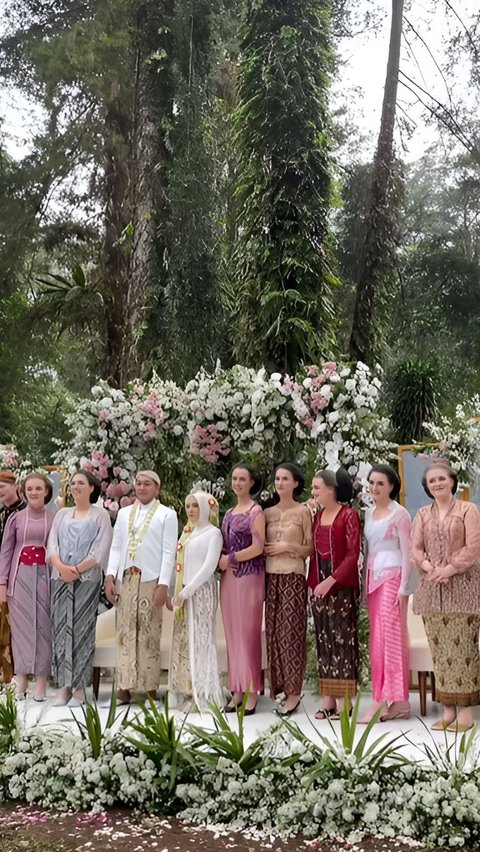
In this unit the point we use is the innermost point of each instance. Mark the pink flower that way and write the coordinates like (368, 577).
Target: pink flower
(117, 471)
(318, 401)
(126, 501)
(330, 367)
(111, 505)
(313, 370)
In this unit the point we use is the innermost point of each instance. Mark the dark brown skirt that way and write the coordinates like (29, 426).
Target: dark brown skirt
(286, 632)
(335, 622)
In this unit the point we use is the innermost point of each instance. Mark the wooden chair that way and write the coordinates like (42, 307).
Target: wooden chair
(419, 656)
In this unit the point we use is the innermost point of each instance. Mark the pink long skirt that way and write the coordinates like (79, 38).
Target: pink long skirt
(241, 600)
(388, 643)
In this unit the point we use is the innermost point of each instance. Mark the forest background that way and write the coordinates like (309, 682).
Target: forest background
(192, 192)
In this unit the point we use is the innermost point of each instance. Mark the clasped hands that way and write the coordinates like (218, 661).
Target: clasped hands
(67, 573)
(438, 574)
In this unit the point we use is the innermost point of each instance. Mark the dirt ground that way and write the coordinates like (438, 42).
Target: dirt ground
(25, 829)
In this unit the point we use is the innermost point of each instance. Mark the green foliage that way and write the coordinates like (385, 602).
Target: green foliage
(282, 263)
(413, 390)
(8, 720)
(374, 754)
(160, 740)
(209, 746)
(91, 727)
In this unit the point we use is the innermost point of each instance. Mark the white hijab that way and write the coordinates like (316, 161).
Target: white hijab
(206, 505)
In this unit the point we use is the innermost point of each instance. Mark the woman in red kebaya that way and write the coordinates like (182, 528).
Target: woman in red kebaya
(334, 581)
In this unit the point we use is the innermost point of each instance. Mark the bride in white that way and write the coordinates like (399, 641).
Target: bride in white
(193, 664)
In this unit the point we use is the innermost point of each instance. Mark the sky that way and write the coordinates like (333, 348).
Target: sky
(359, 86)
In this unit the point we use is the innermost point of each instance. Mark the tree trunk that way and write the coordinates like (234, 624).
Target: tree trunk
(376, 260)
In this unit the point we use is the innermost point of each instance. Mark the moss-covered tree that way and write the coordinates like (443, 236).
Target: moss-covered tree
(283, 268)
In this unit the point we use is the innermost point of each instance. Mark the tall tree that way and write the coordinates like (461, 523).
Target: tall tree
(101, 72)
(382, 215)
(283, 270)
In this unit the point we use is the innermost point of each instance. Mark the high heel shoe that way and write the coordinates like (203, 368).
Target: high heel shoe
(230, 708)
(250, 712)
(279, 712)
(20, 696)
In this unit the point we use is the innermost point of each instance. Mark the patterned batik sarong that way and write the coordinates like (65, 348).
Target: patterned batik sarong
(286, 632)
(335, 622)
(139, 630)
(74, 617)
(30, 621)
(453, 641)
(6, 664)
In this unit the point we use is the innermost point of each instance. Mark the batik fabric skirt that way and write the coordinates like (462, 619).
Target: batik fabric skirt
(453, 641)
(74, 617)
(388, 643)
(194, 665)
(139, 631)
(6, 659)
(335, 624)
(30, 622)
(241, 600)
(286, 631)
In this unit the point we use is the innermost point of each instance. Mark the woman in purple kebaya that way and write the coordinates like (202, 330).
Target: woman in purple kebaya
(242, 589)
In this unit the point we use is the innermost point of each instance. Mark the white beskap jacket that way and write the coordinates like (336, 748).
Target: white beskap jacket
(155, 555)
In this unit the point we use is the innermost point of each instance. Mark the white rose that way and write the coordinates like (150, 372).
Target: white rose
(350, 385)
(276, 377)
(332, 417)
(177, 430)
(106, 402)
(307, 383)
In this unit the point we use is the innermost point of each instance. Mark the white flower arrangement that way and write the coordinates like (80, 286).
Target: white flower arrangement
(330, 410)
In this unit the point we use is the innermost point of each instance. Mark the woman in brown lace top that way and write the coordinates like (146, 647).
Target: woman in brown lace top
(445, 549)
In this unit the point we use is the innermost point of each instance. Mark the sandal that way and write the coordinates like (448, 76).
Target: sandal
(441, 725)
(338, 713)
(325, 713)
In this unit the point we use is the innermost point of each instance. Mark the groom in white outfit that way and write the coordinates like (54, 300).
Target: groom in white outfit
(140, 570)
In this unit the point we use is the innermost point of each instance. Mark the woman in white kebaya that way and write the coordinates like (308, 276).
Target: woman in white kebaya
(194, 665)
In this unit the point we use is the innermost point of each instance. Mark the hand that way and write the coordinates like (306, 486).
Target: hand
(427, 566)
(324, 587)
(3, 594)
(177, 601)
(169, 604)
(68, 573)
(223, 562)
(275, 548)
(110, 589)
(160, 596)
(403, 604)
(442, 574)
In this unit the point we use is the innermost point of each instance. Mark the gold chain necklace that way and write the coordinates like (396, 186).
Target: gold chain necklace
(135, 537)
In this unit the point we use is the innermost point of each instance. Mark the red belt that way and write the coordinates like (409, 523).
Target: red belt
(33, 556)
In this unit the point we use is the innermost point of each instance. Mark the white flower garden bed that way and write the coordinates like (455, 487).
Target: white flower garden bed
(282, 782)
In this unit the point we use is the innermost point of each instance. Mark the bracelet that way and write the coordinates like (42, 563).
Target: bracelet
(232, 558)
(76, 569)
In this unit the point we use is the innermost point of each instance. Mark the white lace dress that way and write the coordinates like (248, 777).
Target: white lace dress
(193, 664)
